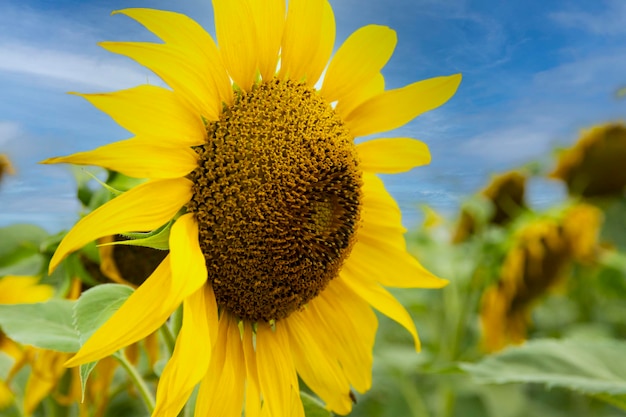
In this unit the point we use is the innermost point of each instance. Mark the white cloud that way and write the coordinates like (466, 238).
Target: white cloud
(611, 21)
(69, 68)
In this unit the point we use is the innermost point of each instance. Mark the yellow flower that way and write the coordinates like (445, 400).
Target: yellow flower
(594, 167)
(506, 193)
(46, 366)
(284, 236)
(537, 262)
(17, 290)
(5, 166)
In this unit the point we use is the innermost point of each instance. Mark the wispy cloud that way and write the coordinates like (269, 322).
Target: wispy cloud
(610, 20)
(77, 70)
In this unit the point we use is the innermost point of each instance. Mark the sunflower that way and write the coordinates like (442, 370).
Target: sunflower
(537, 262)
(506, 193)
(46, 368)
(17, 290)
(5, 166)
(593, 167)
(127, 264)
(283, 236)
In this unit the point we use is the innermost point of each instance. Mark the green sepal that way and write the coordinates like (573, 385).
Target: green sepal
(157, 239)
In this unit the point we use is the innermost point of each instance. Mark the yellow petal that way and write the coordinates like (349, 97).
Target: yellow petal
(137, 157)
(6, 396)
(221, 391)
(142, 208)
(324, 50)
(236, 37)
(380, 243)
(190, 360)
(269, 19)
(358, 60)
(395, 108)
(188, 263)
(391, 156)
(316, 361)
(46, 371)
(277, 376)
(155, 300)
(155, 112)
(379, 209)
(18, 289)
(211, 312)
(350, 326)
(360, 94)
(380, 299)
(191, 39)
(253, 392)
(188, 75)
(143, 312)
(308, 40)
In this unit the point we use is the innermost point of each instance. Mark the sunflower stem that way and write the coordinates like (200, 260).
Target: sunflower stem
(140, 383)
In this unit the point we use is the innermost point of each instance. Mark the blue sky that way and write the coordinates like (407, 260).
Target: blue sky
(535, 73)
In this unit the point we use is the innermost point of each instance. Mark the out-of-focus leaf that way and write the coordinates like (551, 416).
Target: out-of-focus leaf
(44, 325)
(591, 367)
(94, 307)
(312, 407)
(20, 252)
(20, 235)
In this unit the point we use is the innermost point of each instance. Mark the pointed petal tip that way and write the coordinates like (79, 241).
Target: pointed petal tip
(73, 362)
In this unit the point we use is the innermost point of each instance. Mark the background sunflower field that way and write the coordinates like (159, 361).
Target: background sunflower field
(532, 323)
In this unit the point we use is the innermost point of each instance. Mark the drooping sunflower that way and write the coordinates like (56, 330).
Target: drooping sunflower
(537, 262)
(506, 194)
(593, 167)
(284, 237)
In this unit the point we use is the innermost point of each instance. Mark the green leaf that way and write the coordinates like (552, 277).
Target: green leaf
(312, 407)
(157, 239)
(44, 325)
(594, 368)
(20, 252)
(94, 307)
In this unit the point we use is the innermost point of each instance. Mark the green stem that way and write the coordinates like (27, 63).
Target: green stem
(412, 397)
(170, 340)
(140, 383)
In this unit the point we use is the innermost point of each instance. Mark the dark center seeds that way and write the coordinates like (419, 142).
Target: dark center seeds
(277, 198)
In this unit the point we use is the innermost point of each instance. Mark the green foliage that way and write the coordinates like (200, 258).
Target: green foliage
(589, 367)
(312, 407)
(44, 325)
(20, 251)
(94, 307)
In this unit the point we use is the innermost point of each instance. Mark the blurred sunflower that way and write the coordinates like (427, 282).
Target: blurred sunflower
(46, 368)
(594, 166)
(283, 235)
(5, 166)
(17, 290)
(506, 194)
(541, 254)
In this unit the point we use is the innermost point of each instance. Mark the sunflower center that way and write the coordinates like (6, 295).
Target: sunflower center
(277, 197)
